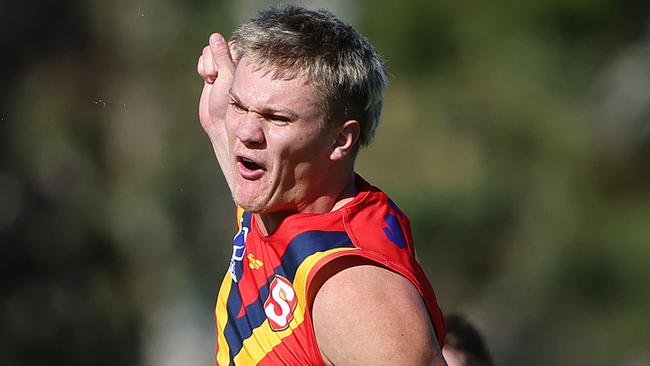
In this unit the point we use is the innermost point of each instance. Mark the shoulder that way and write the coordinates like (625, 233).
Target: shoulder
(368, 315)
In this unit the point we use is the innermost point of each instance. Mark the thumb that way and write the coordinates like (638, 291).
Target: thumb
(221, 56)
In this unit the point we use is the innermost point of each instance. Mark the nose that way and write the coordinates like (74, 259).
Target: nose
(249, 130)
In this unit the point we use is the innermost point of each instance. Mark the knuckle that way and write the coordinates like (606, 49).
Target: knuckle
(220, 51)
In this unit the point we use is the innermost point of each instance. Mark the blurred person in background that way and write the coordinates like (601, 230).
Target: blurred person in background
(464, 345)
(323, 268)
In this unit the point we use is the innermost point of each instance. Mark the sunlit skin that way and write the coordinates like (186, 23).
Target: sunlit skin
(274, 123)
(282, 154)
(279, 158)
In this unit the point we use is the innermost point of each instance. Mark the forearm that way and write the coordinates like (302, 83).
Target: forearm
(216, 68)
(221, 151)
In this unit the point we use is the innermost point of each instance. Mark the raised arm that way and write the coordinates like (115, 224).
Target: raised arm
(368, 315)
(216, 67)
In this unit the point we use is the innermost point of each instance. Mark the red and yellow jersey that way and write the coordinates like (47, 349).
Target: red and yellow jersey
(262, 312)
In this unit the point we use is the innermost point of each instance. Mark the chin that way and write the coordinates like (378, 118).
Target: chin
(254, 206)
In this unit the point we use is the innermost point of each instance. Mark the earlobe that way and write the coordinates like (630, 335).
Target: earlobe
(345, 140)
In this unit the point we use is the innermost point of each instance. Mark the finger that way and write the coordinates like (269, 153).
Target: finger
(221, 55)
(208, 66)
(204, 109)
(199, 67)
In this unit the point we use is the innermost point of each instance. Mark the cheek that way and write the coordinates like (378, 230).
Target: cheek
(282, 143)
(305, 141)
(295, 146)
(230, 124)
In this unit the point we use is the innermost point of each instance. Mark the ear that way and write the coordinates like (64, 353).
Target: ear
(345, 140)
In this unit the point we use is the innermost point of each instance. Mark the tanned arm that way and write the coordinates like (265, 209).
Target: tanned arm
(368, 315)
(216, 67)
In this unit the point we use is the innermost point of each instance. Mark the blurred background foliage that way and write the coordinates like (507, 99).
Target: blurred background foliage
(516, 135)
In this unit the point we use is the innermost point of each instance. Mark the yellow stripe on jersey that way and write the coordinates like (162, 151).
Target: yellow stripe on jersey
(263, 339)
(221, 314)
(240, 214)
(300, 281)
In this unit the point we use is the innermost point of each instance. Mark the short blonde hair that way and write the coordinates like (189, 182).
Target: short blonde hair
(348, 74)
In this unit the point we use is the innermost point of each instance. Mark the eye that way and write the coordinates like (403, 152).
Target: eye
(237, 107)
(278, 118)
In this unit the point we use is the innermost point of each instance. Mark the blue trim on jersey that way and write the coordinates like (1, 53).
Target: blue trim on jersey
(239, 329)
(236, 267)
(246, 217)
(301, 246)
(309, 242)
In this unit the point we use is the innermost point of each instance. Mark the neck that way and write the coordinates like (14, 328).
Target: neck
(327, 202)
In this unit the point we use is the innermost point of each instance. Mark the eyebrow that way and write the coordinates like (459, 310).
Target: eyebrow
(265, 110)
(234, 97)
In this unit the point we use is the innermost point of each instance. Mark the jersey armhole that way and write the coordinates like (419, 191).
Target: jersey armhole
(339, 261)
(328, 267)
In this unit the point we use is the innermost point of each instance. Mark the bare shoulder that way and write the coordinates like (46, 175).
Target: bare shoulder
(369, 315)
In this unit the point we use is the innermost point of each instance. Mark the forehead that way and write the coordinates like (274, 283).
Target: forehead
(257, 87)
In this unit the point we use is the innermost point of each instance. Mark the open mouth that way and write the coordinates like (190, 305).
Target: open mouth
(249, 168)
(250, 164)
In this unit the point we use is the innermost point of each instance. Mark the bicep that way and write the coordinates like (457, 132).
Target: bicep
(369, 315)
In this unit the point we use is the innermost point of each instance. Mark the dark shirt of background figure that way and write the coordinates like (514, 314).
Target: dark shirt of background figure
(464, 345)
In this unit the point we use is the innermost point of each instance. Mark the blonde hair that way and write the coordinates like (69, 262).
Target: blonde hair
(348, 75)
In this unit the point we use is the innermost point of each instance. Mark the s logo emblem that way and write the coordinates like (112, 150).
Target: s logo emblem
(280, 304)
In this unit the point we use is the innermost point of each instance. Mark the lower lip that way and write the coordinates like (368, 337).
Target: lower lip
(248, 173)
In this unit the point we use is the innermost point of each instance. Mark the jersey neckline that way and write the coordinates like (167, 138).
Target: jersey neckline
(308, 219)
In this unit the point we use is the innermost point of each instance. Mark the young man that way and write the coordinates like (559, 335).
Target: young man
(323, 269)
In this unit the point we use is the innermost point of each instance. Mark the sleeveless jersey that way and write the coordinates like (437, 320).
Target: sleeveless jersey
(262, 312)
